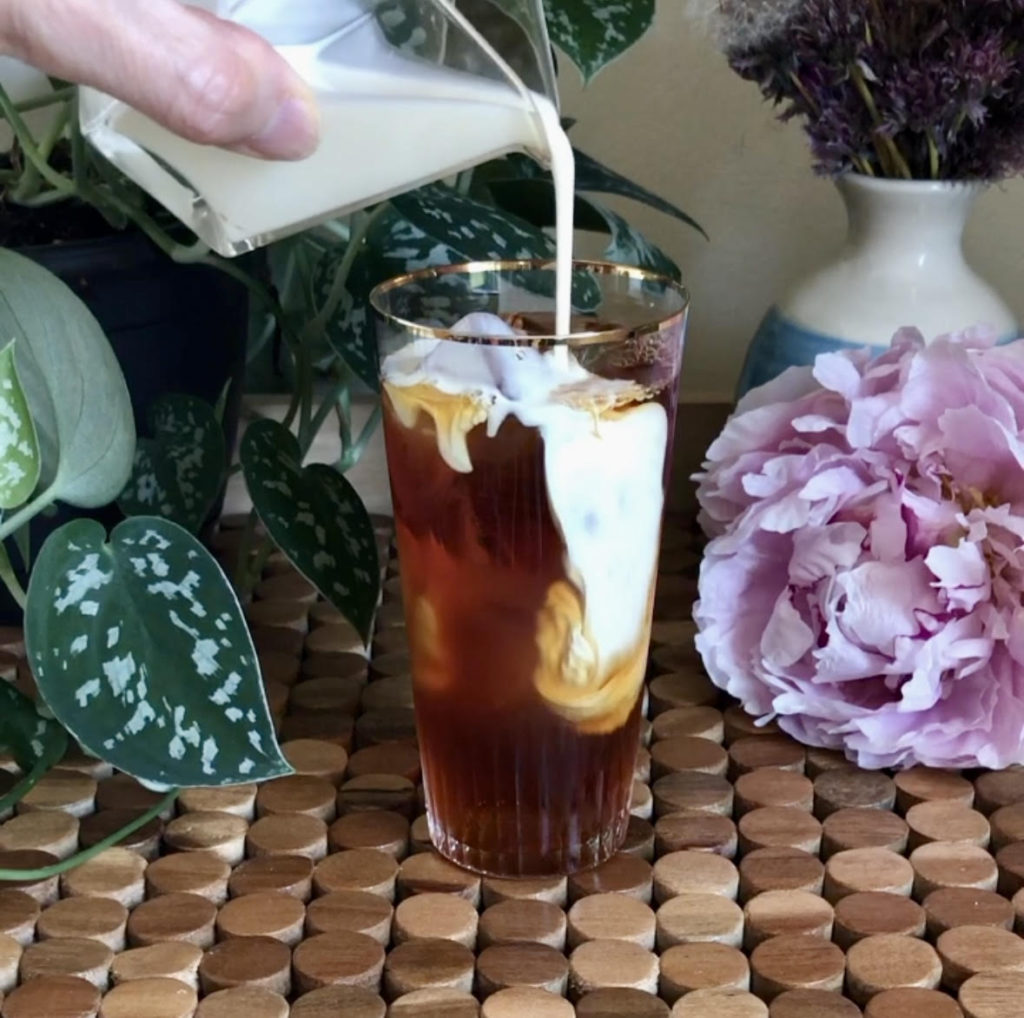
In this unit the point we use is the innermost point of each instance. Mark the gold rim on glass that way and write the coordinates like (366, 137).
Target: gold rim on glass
(597, 268)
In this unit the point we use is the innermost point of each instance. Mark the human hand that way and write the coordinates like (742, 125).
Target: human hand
(209, 80)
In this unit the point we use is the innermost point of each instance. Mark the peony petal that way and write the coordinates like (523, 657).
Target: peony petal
(786, 637)
(818, 552)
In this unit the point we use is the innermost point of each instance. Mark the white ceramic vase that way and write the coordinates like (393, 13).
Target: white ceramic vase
(902, 265)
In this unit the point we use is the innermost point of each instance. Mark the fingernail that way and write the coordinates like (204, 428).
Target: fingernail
(292, 133)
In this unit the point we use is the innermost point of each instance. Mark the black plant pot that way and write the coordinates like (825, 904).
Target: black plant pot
(174, 328)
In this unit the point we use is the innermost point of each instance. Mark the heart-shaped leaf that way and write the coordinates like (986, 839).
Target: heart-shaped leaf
(179, 472)
(630, 247)
(35, 742)
(73, 385)
(140, 649)
(19, 448)
(592, 33)
(316, 518)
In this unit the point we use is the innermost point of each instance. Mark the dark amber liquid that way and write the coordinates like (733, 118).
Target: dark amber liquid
(512, 787)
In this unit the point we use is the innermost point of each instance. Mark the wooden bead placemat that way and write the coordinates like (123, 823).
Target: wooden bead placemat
(760, 878)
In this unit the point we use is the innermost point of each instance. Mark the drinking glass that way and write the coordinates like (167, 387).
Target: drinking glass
(528, 476)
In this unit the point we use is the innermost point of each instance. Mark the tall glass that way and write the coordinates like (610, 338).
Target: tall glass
(528, 477)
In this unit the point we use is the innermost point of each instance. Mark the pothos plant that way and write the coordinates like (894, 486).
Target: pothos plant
(136, 639)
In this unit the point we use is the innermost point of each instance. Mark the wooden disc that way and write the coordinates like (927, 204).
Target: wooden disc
(359, 869)
(154, 998)
(709, 793)
(863, 827)
(690, 917)
(435, 1002)
(611, 917)
(424, 964)
(1010, 860)
(237, 799)
(117, 874)
(334, 728)
(992, 995)
(351, 912)
(223, 834)
(641, 801)
(620, 1002)
(739, 725)
(776, 912)
(428, 915)
(526, 921)
(820, 760)
(952, 864)
(398, 758)
(53, 997)
(680, 690)
(263, 914)
(772, 786)
(254, 961)
(277, 666)
(550, 889)
(813, 1004)
(1007, 825)
(996, 789)
(278, 625)
(18, 914)
(378, 829)
(287, 586)
(338, 693)
(968, 950)
(611, 963)
(243, 1002)
(779, 827)
(288, 834)
(10, 957)
(888, 961)
(639, 839)
(378, 791)
(519, 1001)
(795, 962)
(843, 788)
(144, 841)
(317, 758)
(167, 960)
(621, 874)
(101, 919)
(52, 831)
(689, 967)
(121, 791)
(926, 784)
(946, 820)
(691, 829)
(60, 789)
(949, 907)
(428, 871)
(202, 873)
(342, 958)
(187, 917)
(753, 752)
(536, 965)
(697, 722)
(679, 872)
(385, 725)
(286, 874)
(912, 1002)
(867, 869)
(687, 753)
(84, 959)
(780, 869)
(332, 1001)
(720, 1004)
(871, 913)
(297, 793)
(389, 692)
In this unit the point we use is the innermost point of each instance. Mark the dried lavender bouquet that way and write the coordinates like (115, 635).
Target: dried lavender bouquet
(912, 89)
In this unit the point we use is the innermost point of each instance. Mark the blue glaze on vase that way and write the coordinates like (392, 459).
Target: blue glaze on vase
(902, 264)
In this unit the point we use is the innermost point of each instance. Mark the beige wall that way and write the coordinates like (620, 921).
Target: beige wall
(672, 116)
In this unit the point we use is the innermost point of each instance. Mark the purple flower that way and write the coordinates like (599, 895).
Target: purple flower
(864, 581)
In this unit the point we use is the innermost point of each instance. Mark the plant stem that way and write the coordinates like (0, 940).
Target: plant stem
(46, 872)
(28, 145)
(58, 95)
(354, 453)
(30, 509)
(25, 785)
(10, 581)
(28, 186)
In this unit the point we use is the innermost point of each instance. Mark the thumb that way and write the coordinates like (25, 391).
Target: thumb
(211, 81)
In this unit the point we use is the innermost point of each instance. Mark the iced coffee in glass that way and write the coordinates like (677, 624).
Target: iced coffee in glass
(528, 476)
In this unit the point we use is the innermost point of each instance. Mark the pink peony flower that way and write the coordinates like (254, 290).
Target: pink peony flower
(864, 581)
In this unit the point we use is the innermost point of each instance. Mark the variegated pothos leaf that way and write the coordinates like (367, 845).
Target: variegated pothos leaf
(33, 741)
(19, 448)
(630, 247)
(316, 518)
(593, 33)
(140, 649)
(179, 472)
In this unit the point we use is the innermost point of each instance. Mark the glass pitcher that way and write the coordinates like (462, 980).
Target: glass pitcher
(409, 91)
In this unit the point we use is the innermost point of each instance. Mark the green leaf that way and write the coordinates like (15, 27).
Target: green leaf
(140, 649)
(533, 199)
(630, 247)
(19, 448)
(592, 33)
(179, 472)
(35, 742)
(316, 518)
(594, 176)
(73, 384)
(470, 229)
(413, 27)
